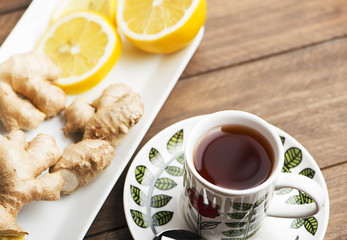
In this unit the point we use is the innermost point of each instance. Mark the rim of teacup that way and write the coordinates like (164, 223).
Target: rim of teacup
(225, 117)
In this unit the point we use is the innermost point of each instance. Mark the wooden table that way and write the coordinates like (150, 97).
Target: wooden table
(285, 61)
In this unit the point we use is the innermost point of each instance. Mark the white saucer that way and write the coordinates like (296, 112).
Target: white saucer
(154, 183)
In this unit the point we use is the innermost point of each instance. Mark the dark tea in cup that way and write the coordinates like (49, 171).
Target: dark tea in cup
(233, 166)
(234, 157)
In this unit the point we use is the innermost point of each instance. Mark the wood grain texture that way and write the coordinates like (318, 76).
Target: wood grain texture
(10, 5)
(123, 234)
(244, 30)
(10, 12)
(302, 92)
(336, 178)
(7, 23)
(285, 61)
(111, 215)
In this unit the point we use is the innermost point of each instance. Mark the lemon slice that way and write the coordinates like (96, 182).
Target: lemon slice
(104, 7)
(160, 26)
(85, 45)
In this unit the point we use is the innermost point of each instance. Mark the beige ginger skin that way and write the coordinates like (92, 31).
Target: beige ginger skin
(104, 125)
(82, 162)
(30, 75)
(78, 113)
(20, 165)
(115, 112)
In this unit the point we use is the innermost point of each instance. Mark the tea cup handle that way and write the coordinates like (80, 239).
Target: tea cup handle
(301, 183)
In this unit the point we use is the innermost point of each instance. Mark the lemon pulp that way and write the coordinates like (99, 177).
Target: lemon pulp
(85, 46)
(161, 26)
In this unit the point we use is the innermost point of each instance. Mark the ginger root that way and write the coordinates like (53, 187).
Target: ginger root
(30, 75)
(78, 113)
(104, 125)
(20, 165)
(83, 162)
(116, 111)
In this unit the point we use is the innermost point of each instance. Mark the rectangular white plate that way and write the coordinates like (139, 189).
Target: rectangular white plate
(151, 75)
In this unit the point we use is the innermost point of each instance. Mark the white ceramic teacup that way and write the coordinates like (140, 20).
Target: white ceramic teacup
(216, 212)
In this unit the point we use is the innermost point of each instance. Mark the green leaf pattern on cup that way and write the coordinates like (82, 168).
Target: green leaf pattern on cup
(209, 225)
(237, 215)
(246, 212)
(145, 177)
(242, 206)
(235, 224)
(234, 233)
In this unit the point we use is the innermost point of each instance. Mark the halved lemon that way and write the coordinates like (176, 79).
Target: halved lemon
(160, 26)
(85, 45)
(104, 7)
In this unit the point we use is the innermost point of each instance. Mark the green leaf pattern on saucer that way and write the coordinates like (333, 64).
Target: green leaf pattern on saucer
(293, 157)
(146, 178)
(153, 186)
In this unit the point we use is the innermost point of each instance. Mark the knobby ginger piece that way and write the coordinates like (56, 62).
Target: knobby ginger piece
(82, 162)
(30, 75)
(114, 121)
(17, 113)
(104, 124)
(20, 165)
(113, 94)
(111, 116)
(77, 114)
